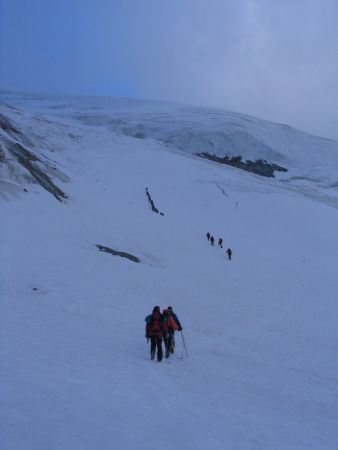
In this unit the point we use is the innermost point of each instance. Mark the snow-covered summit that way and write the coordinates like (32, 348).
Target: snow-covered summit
(188, 128)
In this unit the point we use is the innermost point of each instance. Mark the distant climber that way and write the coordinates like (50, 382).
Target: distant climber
(220, 242)
(229, 253)
(212, 240)
(208, 236)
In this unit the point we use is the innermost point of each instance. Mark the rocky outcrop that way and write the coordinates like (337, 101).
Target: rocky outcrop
(21, 164)
(260, 166)
(104, 249)
(29, 161)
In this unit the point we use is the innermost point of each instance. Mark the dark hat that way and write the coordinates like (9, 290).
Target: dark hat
(156, 308)
(170, 307)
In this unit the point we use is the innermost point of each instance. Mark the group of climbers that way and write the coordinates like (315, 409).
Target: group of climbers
(220, 244)
(162, 326)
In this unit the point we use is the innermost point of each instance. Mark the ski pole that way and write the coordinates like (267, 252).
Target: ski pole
(185, 348)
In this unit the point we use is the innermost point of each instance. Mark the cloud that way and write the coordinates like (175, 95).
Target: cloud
(276, 60)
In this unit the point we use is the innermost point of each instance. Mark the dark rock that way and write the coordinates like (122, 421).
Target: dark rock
(28, 160)
(118, 253)
(259, 167)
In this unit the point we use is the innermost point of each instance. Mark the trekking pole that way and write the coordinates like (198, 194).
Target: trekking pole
(185, 348)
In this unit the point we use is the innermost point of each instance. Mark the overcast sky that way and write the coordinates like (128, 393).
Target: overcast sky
(275, 59)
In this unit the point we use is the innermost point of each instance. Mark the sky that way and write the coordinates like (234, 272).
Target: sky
(274, 59)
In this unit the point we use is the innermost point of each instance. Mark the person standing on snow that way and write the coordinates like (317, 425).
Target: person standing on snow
(229, 253)
(173, 324)
(220, 242)
(170, 309)
(208, 236)
(212, 240)
(156, 329)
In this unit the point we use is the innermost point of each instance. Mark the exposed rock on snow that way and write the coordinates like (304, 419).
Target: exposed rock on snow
(259, 167)
(104, 249)
(20, 165)
(29, 162)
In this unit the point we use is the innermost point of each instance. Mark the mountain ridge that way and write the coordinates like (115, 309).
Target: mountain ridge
(311, 162)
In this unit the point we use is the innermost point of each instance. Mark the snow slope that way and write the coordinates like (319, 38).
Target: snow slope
(190, 129)
(261, 330)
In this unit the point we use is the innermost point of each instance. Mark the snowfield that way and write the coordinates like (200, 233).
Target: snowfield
(261, 330)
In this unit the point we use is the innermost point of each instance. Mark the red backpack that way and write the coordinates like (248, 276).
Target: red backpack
(155, 324)
(171, 322)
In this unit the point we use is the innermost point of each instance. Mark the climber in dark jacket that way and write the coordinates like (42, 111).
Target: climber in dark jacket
(173, 324)
(156, 329)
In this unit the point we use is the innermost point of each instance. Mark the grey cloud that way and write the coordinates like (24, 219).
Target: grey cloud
(273, 59)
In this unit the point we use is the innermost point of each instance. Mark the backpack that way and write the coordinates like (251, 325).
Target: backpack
(171, 322)
(155, 323)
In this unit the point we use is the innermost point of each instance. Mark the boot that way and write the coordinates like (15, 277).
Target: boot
(172, 347)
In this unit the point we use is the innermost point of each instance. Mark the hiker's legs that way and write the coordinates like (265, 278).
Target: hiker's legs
(159, 348)
(166, 346)
(152, 346)
(171, 342)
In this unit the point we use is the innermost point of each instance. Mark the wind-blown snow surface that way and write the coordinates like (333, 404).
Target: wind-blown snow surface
(261, 330)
